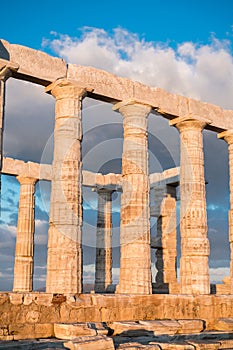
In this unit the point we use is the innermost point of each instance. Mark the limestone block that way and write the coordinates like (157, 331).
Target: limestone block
(71, 331)
(161, 327)
(191, 326)
(35, 65)
(226, 344)
(44, 330)
(16, 299)
(102, 82)
(224, 324)
(176, 346)
(22, 331)
(43, 299)
(138, 346)
(30, 331)
(99, 342)
(205, 345)
(143, 328)
(4, 297)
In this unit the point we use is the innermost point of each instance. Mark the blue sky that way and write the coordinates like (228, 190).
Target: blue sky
(27, 22)
(183, 47)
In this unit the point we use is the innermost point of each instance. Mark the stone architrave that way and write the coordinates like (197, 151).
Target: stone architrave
(64, 263)
(194, 267)
(24, 250)
(166, 256)
(228, 137)
(103, 264)
(135, 261)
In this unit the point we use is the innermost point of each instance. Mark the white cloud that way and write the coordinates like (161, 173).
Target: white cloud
(200, 71)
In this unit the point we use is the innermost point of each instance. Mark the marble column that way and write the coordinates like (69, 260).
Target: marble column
(228, 137)
(103, 264)
(23, 269)
(64, 263)
(5, 73)
(135, 260)
(166, 256)
(194, 268)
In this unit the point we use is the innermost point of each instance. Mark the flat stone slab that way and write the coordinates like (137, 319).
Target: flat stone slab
(224, 324)
(191, 326)
(73, 330)
(99, 342)
(205, 345)
(157, 327)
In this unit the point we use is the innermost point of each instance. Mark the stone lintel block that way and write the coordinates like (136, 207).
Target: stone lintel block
(103, 83)
(34, 65)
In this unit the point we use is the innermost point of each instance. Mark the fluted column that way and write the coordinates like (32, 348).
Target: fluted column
(166, 257)
(5, 73)
(228, 137)
(103, 264)
(64, 263)
(194, 269)
(23, 269)
(135, 261)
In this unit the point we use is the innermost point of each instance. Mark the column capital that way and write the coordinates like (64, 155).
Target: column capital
(227, 136)
(6, 69)
(189, 121)
(67, 88)
(104, 190)
(26, 180)
(131, 106)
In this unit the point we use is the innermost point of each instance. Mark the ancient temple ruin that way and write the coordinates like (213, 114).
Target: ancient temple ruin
(69, 85)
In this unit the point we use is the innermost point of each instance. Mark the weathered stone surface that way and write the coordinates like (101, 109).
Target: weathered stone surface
(35, 65)
(142, 328)
(228, 137)
(224, 324)
(30, 331)
(24, 249)
(71, 331)
(99, 342)
(194, 269)
(64, 236)
(176, 346)
(205, 345)
(191, 326)
(138, 346)
(103, 263)
(135, 271)
(161, 327)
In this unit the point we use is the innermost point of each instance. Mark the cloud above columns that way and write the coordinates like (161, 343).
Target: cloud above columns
(192, 69)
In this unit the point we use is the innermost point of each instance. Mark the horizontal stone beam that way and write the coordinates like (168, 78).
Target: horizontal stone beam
(35, 66)
(40, 68)
(17, 167)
